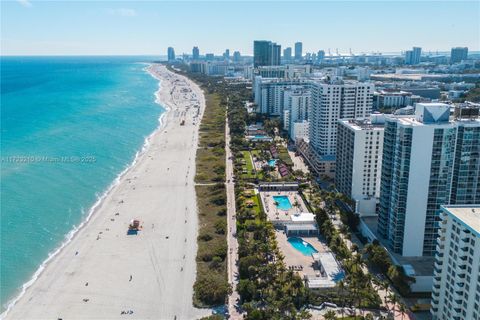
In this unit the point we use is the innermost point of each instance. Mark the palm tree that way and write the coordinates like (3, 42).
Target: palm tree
(394, 300)
(385, 286)
(353, 285)
(296, 204)
(330, 315)
(342, 287)
(403, 309)
(356, 263)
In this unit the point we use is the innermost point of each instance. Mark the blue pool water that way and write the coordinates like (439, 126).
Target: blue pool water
(304, 247)
(282, 202)
(272, 162)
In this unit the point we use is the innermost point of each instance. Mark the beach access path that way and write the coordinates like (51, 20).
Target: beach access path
(234, 298)
(103, 273)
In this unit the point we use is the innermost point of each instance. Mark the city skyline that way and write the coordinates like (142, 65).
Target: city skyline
(162, 159)
(151, 27)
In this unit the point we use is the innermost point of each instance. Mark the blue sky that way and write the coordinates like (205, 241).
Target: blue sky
(30, 27)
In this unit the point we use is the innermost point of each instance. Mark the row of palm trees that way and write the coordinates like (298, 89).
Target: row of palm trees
(391, 298)
(356, 283)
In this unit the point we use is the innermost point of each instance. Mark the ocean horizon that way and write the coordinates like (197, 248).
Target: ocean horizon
(70, 125)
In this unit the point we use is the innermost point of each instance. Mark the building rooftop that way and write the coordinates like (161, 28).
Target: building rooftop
(301, 227)
(330, 270)
(375, 122)
(303, 217)
(413, 121)
(393, 92)
(467, 214)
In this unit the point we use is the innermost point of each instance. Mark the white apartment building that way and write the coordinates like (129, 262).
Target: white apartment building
(456, 285)
(334, 100)
(296, 103)
(269, 93)
(359, 161)
(289, 71)
(428, 160)
(299, 130)
(391, 99)
(216, 68)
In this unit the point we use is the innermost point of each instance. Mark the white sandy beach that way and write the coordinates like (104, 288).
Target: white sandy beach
(90, 277)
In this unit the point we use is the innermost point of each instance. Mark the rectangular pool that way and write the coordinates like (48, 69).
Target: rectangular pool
(282, 202)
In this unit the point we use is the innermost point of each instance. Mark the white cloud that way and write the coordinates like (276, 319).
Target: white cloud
(25, 3)
(124, 12)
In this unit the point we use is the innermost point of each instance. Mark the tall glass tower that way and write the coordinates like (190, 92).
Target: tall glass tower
(266, 53)
(298, 50)
(429, 160)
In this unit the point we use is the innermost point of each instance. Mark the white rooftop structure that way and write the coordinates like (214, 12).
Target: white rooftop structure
(456, 280)
(301, 223)
(330, 271)
(432, 112)
(299, 229)
(303, 217)
(468, 215)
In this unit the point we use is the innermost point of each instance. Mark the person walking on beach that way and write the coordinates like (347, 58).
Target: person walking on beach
(130, 278)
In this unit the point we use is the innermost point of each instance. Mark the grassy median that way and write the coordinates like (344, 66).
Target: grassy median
(211, 146)
(211, 286)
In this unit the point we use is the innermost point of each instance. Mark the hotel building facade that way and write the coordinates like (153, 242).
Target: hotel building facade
(359, 161)
(428, 160)
(334, 100)
(456, 285)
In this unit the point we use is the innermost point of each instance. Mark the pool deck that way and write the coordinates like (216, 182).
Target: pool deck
(275, 214)
(293, 257)
(258, 164)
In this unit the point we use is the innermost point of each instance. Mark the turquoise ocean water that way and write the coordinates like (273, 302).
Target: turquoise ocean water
(69, 126)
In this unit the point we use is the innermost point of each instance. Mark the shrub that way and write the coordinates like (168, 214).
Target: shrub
(220, 226)
(216, 263)
(246, 265)
(213, 317)
(246, 289)
(211, 289)
(221, 250)
(205, 236)
(219, 170)
(378, 257)
(207, 257)
(399, 279)
(220, 200)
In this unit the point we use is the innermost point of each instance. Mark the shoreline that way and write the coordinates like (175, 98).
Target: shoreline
(97, 204)
(140, 156)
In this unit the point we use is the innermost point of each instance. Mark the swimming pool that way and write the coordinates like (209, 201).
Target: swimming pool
(272, 162)
(304, 247)
(282, 202)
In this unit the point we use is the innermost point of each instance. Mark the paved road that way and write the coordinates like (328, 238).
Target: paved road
(234, 298)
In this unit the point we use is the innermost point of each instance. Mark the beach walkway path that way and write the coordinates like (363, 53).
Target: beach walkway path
(234, 298)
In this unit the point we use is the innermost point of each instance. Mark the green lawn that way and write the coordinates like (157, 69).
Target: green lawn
(284, 156)
(248, 165)
(255, 153)
(257, 206)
